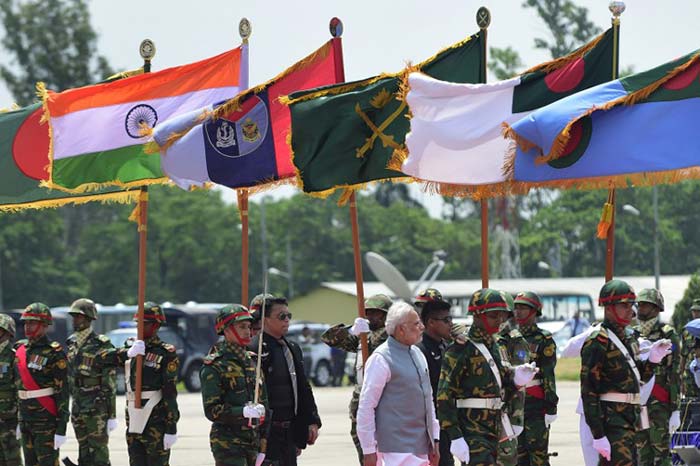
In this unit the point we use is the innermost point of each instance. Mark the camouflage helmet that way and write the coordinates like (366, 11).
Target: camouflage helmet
(152, 312)
(509, 300)
(529, 298)
(429, 294)
(230, 314)
(696, 305)
(257, 302)
(487, 300)
(84, 306)
(615, 292)
(7, 323)
(653, 296)
(39, 312)
(380, 302)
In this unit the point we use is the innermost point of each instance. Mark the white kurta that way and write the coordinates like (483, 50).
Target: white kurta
(377, 375)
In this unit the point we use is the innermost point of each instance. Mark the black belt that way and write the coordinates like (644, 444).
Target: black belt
(281, 424)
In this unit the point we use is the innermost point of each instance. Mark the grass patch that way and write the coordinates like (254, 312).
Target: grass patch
(568, 369)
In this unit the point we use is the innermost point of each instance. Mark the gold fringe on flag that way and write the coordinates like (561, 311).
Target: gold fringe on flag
(560, 62)
(120, 197)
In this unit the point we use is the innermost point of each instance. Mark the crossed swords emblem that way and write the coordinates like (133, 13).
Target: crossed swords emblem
(379, 101)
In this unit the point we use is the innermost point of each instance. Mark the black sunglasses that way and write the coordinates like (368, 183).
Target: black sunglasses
(284, 316)
(447, 320)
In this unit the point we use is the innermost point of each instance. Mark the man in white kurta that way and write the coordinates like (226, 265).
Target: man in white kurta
(396, 421)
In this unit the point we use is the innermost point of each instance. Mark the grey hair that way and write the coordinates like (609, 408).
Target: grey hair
(397, 315)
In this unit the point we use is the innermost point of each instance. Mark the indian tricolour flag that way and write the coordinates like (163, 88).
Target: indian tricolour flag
(456, 129)
(99, 132)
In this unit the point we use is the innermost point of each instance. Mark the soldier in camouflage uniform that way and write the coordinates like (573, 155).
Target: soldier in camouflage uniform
(228, 390)
(691, 373)
(42, 381)
(347, 338)
(541, 393)
(92, 387)
(9, 445)
(516, 346)
(475, 384)
(611, 372)
(663, 405)
(687, 340)
(152, 446)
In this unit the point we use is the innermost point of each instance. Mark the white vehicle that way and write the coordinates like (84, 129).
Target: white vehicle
(317, 355)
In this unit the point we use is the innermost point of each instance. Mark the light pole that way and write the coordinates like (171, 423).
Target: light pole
(288, 276)
(630, 209)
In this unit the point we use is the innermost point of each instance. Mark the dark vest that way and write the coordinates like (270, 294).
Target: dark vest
(279, 385)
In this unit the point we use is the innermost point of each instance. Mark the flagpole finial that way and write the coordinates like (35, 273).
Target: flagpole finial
(616, 8)
(483, 17)
(147, 49)
(336, 27)
(245, 29)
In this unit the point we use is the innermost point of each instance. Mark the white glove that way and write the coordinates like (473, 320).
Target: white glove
(674, 422)
(259, 459)
(58, 441)
(169, 440)
(111, 425)
(139, 347)
(518, 430)
(659, 350)
(524, 373)
(460, 449)
(602, 446)
(18, 432)
(696, 371)
(254, 411)
(644, 347)
(360, 326)
(549, 419)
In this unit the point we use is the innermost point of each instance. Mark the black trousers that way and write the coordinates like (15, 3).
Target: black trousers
(281, 450)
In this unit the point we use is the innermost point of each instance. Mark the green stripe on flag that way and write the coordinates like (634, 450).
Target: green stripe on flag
(126, 166)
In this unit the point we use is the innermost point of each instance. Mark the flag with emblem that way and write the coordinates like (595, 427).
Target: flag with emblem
(242, 142)
(637, 130)
(98, 133)
(345, 135)
(24, 148)
(456, 129)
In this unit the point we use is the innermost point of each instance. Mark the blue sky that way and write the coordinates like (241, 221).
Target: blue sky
(380, 35)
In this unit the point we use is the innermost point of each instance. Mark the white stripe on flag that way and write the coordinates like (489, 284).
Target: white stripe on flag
(456, 129)
(104, 128)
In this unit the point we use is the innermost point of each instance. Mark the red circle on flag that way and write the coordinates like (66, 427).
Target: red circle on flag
(579, 138)
(30, 147)
(683, 79)
(566, 78)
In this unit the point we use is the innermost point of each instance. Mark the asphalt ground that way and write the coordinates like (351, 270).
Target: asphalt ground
(334, 446)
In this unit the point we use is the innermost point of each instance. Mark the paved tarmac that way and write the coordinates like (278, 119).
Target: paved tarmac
(334, 445)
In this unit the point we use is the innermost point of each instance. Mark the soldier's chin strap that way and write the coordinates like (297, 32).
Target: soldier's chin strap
(526, 319)
(619, 320)
(241, 341)
(490, 329)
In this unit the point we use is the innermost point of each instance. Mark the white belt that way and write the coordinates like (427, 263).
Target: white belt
(533, 383)
(29, 394)
(630, 398)
(131, 396)
(480, 403)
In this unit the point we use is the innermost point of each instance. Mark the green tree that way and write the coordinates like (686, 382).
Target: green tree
(505, 62)
(50, 41)
(681, 314)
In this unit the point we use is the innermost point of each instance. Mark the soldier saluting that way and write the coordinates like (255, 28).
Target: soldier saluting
(228, 388)
(9, 445)
(611, 376)
(42, 381)
(92, 386)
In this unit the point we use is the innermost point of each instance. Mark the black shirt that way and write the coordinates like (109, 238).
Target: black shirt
(433, 351)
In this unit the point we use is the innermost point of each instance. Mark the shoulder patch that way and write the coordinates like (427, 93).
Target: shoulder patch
(56, 346)
(546, 333)
(600, 334)
(210, 358)
(668, 329)
(104, 338)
